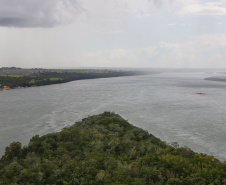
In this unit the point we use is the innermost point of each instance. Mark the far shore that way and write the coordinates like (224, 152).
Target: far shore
(16, 78)
(217, 78)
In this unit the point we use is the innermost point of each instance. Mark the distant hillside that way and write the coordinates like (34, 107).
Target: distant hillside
(106, 149)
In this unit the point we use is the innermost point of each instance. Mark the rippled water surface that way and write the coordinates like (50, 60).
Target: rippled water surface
(164, 104)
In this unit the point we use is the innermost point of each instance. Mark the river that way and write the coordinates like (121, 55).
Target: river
(167, 105)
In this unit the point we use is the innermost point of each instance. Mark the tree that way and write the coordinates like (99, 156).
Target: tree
(13, 150)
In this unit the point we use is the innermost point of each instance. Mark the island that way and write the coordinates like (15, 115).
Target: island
(14, 77)
(106, 149)
(217, 78)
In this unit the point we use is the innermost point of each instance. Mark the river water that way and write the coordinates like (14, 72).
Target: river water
(164, 104)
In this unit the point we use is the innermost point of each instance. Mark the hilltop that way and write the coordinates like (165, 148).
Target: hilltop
(106, 149)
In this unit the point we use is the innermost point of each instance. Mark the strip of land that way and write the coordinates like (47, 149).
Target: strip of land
(11, 78)
(217, 78)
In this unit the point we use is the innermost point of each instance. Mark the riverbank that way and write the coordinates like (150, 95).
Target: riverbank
(20, 78)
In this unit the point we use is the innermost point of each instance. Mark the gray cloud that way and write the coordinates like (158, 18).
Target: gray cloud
(38, 13)
(159, 3)
(50, 13)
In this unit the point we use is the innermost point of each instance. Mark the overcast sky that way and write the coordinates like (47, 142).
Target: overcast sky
(113, 33)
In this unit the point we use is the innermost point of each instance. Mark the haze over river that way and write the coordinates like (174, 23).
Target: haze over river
(164, 104)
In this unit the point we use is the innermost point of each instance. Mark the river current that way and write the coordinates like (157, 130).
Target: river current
(167, 105)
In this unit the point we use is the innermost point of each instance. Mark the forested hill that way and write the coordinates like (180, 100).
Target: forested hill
(106, 149)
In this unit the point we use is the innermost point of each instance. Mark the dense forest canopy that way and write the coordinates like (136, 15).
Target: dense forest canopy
(106, 149)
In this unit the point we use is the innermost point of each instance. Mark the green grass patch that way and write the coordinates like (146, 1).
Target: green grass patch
(55, 79)
(32, 81)
(12, 76)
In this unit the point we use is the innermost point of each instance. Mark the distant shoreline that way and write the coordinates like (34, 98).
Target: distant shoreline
(21, 78)
(217, 78)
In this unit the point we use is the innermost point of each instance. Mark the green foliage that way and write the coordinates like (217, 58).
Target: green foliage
(13, 150)
(27, 78)
(106, 149)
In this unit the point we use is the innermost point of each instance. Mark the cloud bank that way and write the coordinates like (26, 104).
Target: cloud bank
(50, 13)
(211, 8)
(37, 13)
(117, 33)
(203, 51)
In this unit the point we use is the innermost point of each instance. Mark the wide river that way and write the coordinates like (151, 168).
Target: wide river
(164, 104)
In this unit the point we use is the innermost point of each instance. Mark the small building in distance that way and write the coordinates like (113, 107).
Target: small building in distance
(6, 88)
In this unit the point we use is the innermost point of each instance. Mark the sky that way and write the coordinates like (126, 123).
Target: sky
(113, 33)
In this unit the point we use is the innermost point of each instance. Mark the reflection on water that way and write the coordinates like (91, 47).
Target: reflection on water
(165, 104)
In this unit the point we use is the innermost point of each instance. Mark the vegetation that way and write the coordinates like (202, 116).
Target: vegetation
(17, 77)
(106, 149)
